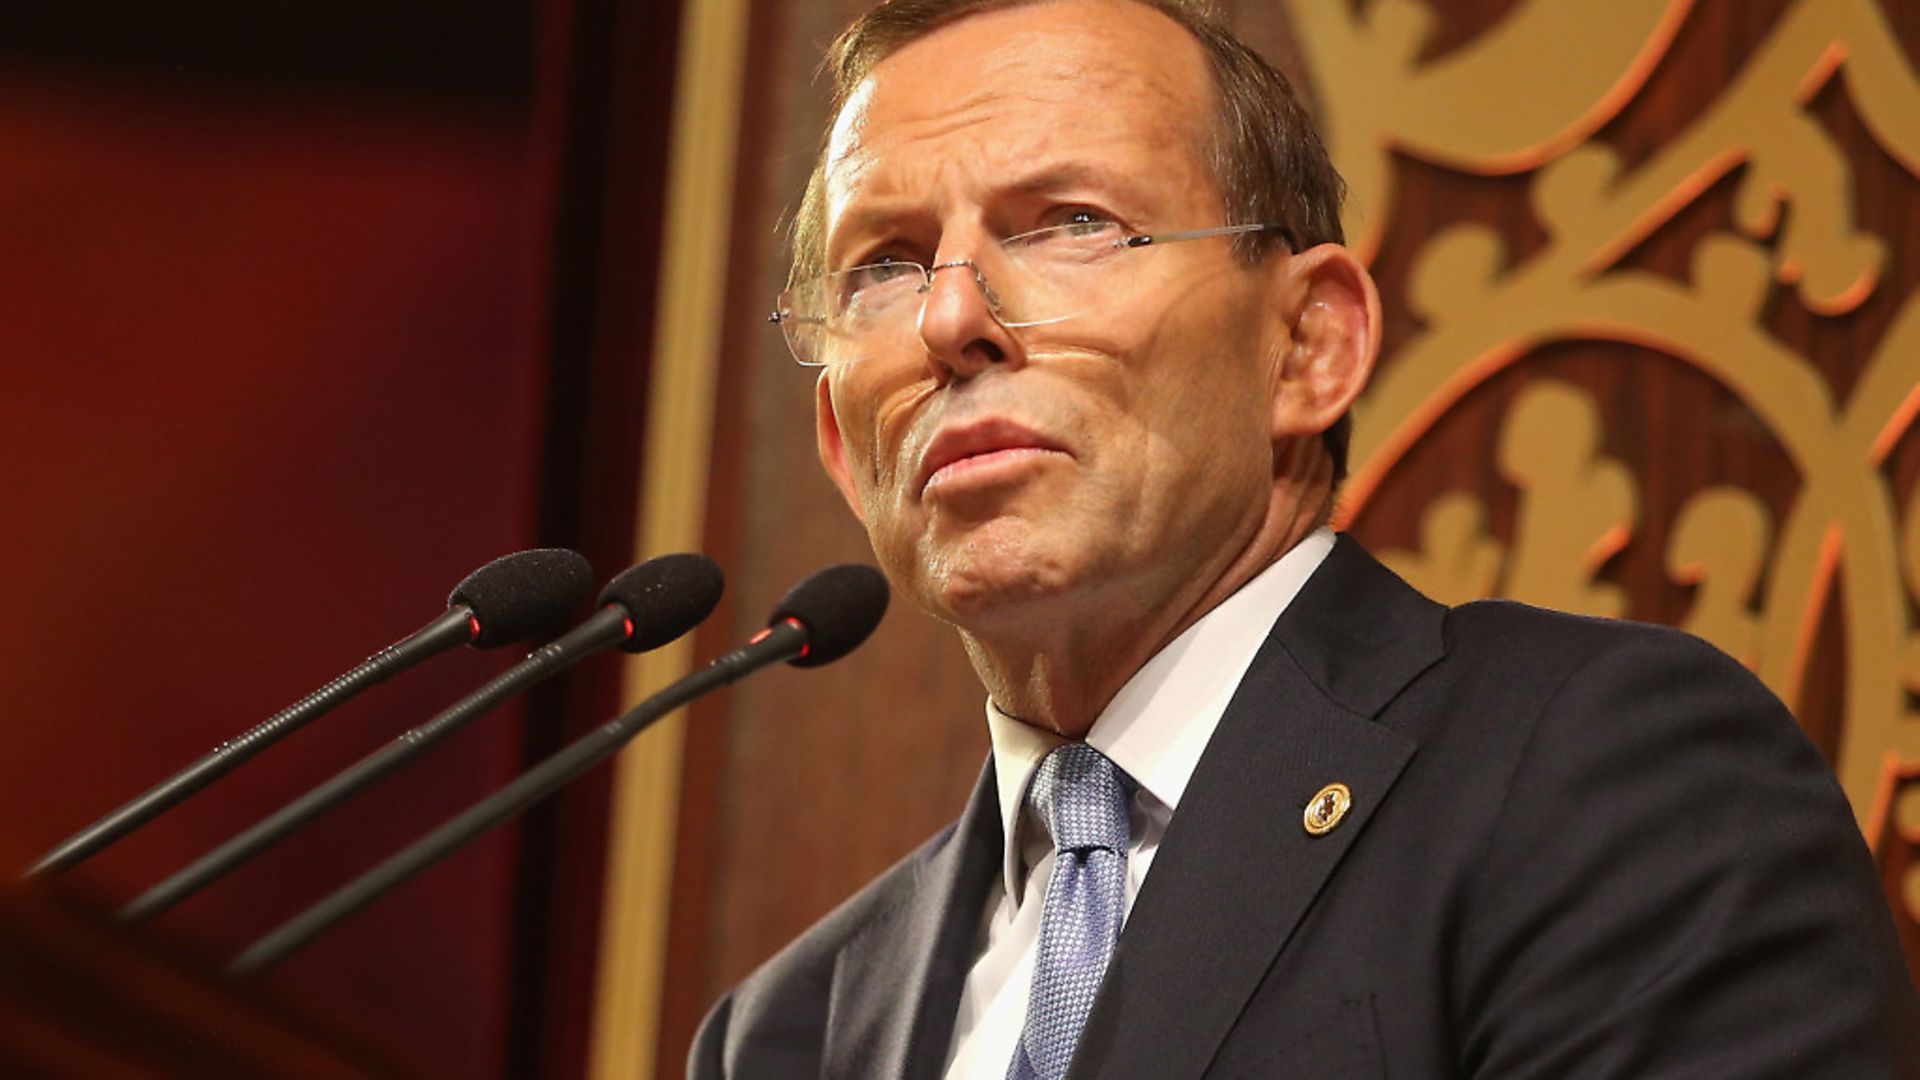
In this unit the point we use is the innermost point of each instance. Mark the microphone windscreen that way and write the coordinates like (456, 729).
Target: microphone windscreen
(665, 597)
(839, 606)
(524, 595)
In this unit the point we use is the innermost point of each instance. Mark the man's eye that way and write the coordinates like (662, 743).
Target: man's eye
(879, 273)
(876, 275)
(1088, 223)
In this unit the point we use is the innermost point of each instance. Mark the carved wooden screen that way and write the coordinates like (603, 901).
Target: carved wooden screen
(1654, 349)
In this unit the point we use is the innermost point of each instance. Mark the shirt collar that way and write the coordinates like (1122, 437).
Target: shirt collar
(1159, 723)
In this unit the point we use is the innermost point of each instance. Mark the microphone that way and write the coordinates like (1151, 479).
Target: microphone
(512, 598)
(643, 608)
(822, 619)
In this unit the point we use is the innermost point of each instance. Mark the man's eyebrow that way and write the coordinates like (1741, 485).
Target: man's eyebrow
(887, 215)
(859, 224)
(869, 219)
(1064, 176)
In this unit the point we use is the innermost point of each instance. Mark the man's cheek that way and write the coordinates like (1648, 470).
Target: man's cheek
(867, 450)
(870, 479)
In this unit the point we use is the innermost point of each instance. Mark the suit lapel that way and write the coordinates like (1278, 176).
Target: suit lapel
(896, 986)
(1237, 869)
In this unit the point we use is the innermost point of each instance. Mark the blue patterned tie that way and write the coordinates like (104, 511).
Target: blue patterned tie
(1082, 799)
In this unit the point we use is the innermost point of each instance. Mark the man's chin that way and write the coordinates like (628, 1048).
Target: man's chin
(977, 591)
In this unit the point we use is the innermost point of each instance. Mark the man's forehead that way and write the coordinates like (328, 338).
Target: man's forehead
(1015, 121)
(1090, 68)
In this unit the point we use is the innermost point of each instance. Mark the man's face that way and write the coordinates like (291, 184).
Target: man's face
(1111, 458)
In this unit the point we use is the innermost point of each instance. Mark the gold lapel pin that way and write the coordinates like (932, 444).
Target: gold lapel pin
(1326, 809)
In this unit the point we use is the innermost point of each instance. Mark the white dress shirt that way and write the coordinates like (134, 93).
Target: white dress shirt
(1155, 729)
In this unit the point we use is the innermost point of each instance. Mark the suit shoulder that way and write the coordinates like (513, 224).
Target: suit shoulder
(1651, 802)
(1516, 676)
(1511, 632)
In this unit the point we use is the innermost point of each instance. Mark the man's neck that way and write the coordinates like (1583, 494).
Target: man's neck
(1058, 669)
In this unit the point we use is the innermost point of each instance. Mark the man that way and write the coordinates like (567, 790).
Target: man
(1254, 808)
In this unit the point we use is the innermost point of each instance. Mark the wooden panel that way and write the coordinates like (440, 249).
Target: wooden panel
(319, 305)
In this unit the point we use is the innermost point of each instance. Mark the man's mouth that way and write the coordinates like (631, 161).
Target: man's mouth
(977, 447)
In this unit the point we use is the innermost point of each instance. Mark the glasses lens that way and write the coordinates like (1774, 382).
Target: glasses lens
(1058, 273)
(835, 318)
(1046, 276)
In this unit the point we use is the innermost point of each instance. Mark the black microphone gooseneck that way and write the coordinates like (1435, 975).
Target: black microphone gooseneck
(643, 608)
(822, 619)
(512, 598)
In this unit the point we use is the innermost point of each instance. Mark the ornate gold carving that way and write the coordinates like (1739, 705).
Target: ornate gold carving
(1458, 560)
(1524, 98)
(1572, 499)
(1576, 508)
(1906, 817)
(1720, 544)
(1897, 811)
(1541, 81)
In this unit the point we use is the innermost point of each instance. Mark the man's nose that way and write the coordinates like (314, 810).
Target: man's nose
(958, 326)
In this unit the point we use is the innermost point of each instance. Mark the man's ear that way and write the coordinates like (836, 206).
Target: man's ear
(1332, 312)
(833, 449)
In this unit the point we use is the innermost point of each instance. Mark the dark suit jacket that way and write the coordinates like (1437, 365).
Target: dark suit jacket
(1576, 848)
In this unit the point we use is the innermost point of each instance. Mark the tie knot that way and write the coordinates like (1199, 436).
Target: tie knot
(1081, 798)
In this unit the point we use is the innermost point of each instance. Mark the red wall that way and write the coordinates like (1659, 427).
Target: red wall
(270, 383)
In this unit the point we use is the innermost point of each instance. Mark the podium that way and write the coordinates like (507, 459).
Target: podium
(82, 996)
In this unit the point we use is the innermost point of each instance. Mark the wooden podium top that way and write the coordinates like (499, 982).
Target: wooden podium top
(81, 995)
